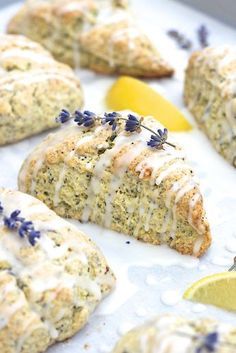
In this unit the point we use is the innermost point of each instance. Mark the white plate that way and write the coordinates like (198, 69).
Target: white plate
(147, 275)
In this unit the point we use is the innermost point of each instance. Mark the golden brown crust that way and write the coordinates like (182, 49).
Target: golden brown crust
(122, 48)
(78, 33)
(47, 290)
(210, 96)
(33, 88)
(192, 234)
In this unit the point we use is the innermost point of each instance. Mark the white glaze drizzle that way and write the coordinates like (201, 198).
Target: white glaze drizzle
(39, 156)
(64, 168)
(44, 252)
(103, 162)
(127, 34)
(117, 179)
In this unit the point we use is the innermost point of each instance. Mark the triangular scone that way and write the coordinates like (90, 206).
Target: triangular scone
(209, 93)
(57, 24)
(175, 334)
(121, 183)
(47, 290)
(121, 48)
(97, 34)
(33, 85)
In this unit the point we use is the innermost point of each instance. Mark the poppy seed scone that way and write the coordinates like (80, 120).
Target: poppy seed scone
(117, 181)
(33, 87)
(210, 95)
(170, 333)
(121, 48)
(56, 24)
(49, 286)
(99, 35)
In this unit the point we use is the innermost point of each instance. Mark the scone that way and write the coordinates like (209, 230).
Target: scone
(170, 333)
(121, 48)
(33, 88)
(210, 95)
(52, 276)
(116, 180)
(99, 35)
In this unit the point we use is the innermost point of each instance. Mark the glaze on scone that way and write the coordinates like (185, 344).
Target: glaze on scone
(121, 184)
(99, 35)
(210, 87)
(33, 88)
(47, 291)
(121, 48)
(170, 333)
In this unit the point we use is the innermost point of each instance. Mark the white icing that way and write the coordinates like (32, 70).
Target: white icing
(123, 163)
(26, 54)
(38, 263)
(64, 168)
(171, 297)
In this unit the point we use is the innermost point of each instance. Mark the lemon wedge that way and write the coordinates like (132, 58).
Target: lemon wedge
(130, 93)
(218, 289)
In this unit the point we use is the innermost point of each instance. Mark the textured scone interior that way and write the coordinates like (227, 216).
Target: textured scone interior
(121, 47)
(174, 334)
(210, 95)
(120, 183)
(47, 291)
(32, 88)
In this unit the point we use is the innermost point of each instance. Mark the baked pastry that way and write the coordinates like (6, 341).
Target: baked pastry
(99, 35)
(174, 334)
(210, 95)
(33, 88)
(121, 48)
(52, 276)
(118, 181)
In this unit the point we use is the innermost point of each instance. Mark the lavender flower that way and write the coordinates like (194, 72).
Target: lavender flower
(13, 220)
(203, 34)
(25, 228)
(1, 208)
(33, 235)
(132, 124)
(86, 118)
(157, 141)
(63, 117)
(209, 343)
(111, 119)
(182, 41)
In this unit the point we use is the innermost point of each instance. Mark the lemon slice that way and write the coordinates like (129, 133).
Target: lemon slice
(218, 289)
(130, 93)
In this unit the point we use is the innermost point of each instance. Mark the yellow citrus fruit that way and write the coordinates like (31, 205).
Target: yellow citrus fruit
(218, 289)
(130, 93)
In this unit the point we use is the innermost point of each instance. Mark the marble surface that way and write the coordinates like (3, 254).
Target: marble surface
(152, 279)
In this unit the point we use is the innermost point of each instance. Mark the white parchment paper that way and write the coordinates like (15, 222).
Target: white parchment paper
(152, 279)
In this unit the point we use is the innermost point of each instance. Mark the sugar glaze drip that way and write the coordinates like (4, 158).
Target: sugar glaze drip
(43, 261)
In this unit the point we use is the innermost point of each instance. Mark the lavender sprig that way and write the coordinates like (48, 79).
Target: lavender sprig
(203, 35)
(86, 118)
(159, 139)
(111, 119)
(63, 117)
(132, 124)
(209, 343)
(182, 41)
(25, 228)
